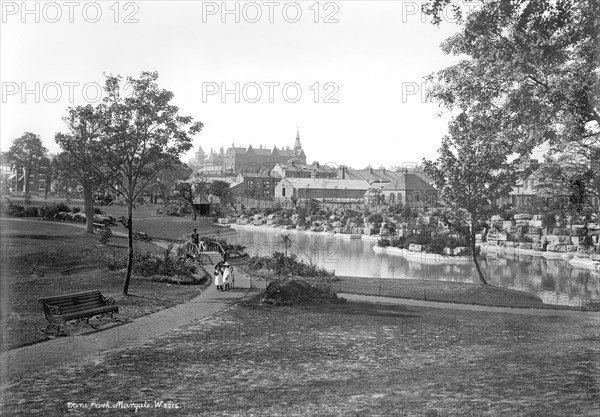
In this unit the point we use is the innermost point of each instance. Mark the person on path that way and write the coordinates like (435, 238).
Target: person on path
(219, 276)
(227, 275)
(196, 237)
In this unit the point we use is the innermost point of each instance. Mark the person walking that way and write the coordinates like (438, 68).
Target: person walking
(196, 237)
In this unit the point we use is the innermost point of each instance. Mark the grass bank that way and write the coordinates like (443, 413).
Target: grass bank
(338, 360)
(42, 259)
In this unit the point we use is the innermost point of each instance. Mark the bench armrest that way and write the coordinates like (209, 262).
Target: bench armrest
(108, 300)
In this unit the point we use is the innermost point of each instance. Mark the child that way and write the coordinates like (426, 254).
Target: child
(219, 276)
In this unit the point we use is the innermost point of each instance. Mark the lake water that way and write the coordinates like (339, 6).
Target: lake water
(555, 281)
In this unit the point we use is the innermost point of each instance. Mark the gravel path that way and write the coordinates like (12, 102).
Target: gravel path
(25, 360)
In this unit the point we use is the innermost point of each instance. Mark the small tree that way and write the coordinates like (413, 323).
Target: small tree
(144, 135)
(472, 172)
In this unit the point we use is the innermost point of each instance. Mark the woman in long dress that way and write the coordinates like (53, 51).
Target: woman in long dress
(227, 276)
(219, 277)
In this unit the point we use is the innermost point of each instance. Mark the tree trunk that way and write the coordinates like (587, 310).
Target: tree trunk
(472, 244)
(129, 245)
(26, 179)
(88, 204)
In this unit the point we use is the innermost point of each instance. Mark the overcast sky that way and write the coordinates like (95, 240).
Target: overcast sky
(363, 62)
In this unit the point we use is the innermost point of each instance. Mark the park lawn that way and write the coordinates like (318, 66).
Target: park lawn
(433, 290)
(347, 359)
(41, 259)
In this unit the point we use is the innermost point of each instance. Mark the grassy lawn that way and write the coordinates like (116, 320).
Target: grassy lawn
(350, 359)
(447, 291)
(42, 259)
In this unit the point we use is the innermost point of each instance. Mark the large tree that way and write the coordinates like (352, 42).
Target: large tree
(82, 148)
(472, 171)
(26, 153)
(535, 62)
(145, 135)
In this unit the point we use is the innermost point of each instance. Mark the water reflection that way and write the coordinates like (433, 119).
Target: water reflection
(552, 279)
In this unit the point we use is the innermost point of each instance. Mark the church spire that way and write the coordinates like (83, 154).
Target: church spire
(297, 146)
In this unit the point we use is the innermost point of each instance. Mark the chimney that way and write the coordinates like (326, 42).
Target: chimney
(383, 171)
(343, 172)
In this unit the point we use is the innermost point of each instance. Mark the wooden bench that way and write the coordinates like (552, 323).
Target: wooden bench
(142, 236)
(76, 308)
(99, 226)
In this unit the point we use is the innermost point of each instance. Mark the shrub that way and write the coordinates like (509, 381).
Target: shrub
(62, 207)
(30, 211)
(76, 209)
(27, 199)
(282, 264)
(98, 211)
(104, 235)
(15, 210)
(375, 218)
(398, 242)
(549, 221)
(525, 239)
(383, 243)
(299, 291)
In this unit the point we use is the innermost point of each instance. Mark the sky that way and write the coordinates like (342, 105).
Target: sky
(348, 74)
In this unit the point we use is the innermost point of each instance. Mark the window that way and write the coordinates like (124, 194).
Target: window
(266, 193)
(283, 191)
(251, 183)
(399, 197)
(417, 197)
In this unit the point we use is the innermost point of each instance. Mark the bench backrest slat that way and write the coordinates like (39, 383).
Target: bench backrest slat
(66, 296)
(69, 303)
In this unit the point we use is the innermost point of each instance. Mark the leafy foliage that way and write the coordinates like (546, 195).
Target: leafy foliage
(282, 264)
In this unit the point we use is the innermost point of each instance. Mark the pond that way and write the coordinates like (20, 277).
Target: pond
(555, 281)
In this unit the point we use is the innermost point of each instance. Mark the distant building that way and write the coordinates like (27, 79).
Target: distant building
(324, 189)
(256, 185)
(13, 176)
(408, 189)
(241, 159)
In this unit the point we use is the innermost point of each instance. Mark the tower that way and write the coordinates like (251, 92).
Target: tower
(297, 146)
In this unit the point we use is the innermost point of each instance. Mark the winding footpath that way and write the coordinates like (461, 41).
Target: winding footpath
(28, 360)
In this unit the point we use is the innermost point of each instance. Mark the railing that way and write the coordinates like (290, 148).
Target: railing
(216, 247)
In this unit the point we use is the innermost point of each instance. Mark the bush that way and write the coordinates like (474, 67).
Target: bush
(375, 218)
(549, 221)
(282, 264)
(299, 291)
(76, 209)
(15, 210)
(31, 211)
(104, 235)
(398, 242)
(62, 207)
(383, 243)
